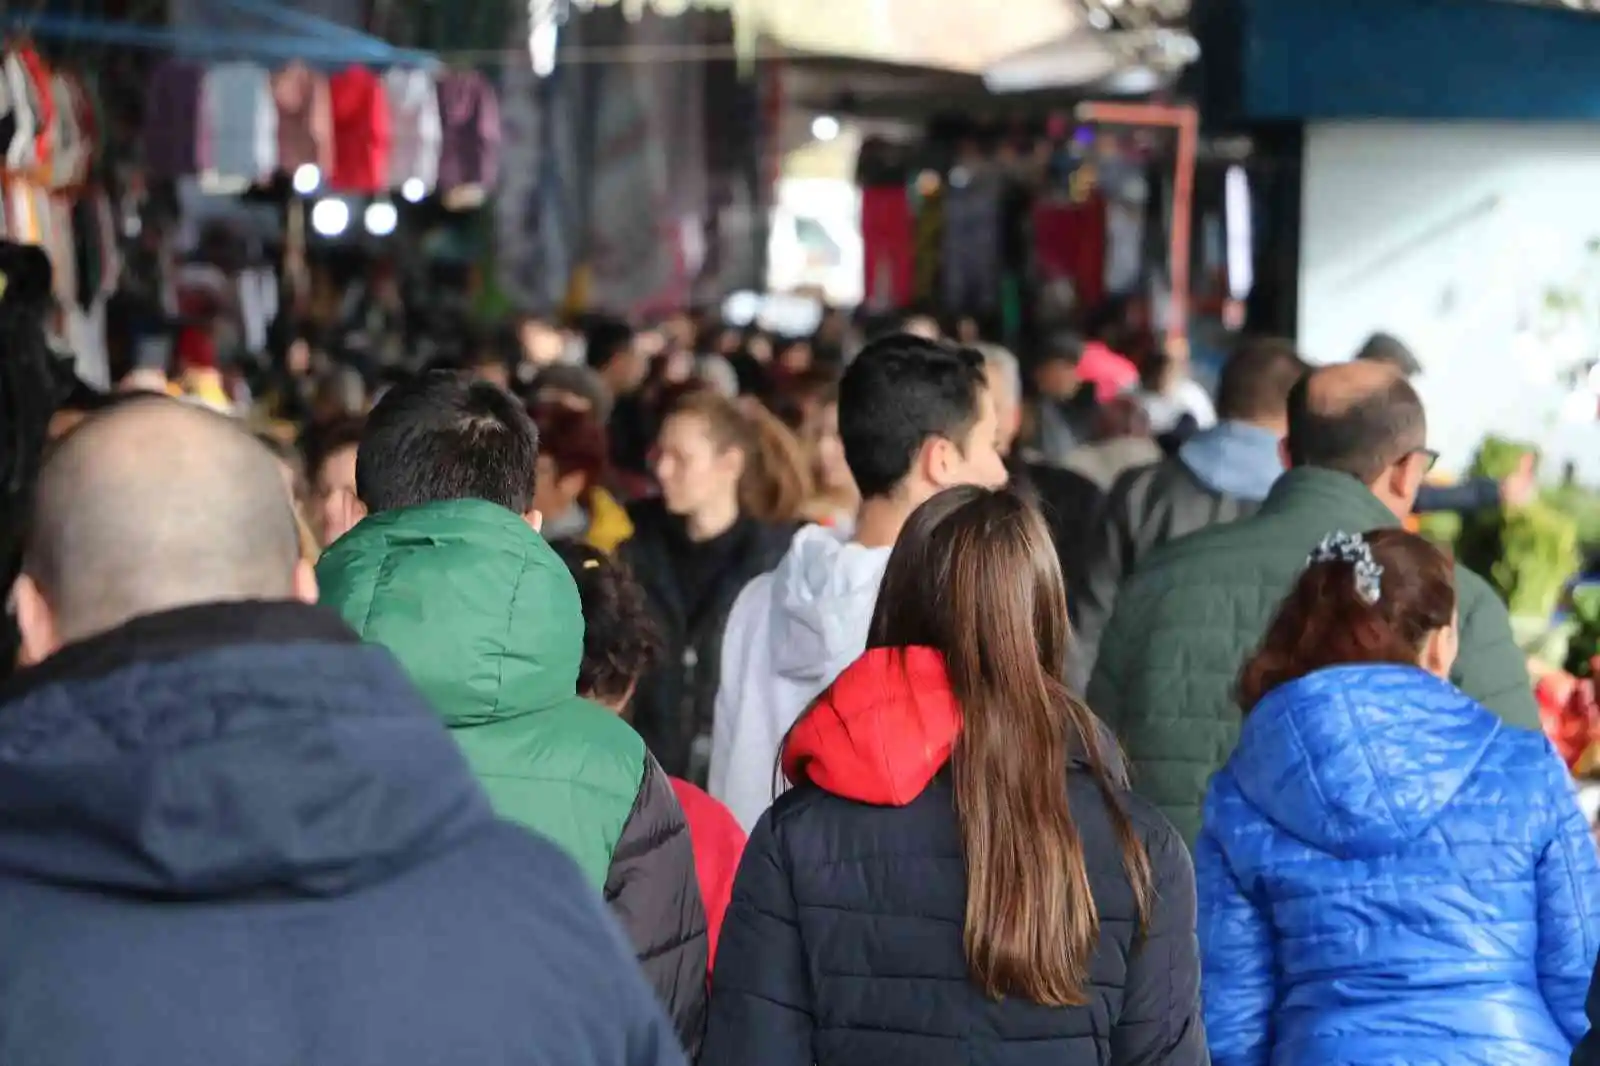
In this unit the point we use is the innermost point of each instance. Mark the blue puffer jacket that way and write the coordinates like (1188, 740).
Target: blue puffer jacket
(1390, 876)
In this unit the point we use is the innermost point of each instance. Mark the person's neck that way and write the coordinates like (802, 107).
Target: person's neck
(1276, 427)
(712, 521)
(879, 521)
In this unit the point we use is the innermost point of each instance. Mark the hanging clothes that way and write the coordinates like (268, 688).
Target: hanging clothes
(69, 146)
(971, 244)
(469, 112)
(240, 118)
(416, 128)
(42, 100)
(1070, 242)
(361, 133)
(18, 122)
(173, 131)
(888, 246)
(305, 119)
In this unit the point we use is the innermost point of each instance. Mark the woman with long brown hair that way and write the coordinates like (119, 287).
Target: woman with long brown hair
(959, 874)
(732, 481)
(1388, 875)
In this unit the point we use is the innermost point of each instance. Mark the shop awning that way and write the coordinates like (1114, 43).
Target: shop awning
(958, 35)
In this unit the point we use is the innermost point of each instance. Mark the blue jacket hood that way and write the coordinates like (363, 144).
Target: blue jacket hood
(1235, 459)
(1360, 760)
(225, 750)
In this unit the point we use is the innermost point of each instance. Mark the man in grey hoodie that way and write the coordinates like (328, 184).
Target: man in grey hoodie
(1218, 475)
(915, 417)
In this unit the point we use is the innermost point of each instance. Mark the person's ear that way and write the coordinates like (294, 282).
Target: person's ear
(36, 622)
(535, 520)
(1439, 651)
(305, 582)
(1404, 479)
(940, 460)
(731, 461)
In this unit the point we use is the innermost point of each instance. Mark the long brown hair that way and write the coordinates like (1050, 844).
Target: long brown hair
(776, 483)
(975, 576)
(1325, 622)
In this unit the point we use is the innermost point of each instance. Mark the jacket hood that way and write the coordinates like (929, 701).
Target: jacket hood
(881, 732)
(221, 751)
(478, 608)
(1360, 760)
(823, 593)
(1235, 459)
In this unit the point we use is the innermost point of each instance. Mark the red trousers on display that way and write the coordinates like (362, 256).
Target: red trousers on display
(887, 246)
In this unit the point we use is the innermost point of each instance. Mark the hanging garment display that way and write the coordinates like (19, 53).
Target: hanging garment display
(42, 101)
(68, 147)
(305, 119)
(361, 134)
(415, 127)
(18, 123)
(469, 156)
(172, 128)
(1070, 243)
(972, 240)
(240, 120)
(888, 246)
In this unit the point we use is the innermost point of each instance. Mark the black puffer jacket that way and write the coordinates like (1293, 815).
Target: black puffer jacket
(1146, 508)
(843, 944)
(691, 588)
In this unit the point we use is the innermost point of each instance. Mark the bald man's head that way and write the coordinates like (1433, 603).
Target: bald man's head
(151, 506)
(1359, 418)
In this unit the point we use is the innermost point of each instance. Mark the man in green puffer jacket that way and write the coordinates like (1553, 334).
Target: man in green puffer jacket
(449, 573)
(1189, 617)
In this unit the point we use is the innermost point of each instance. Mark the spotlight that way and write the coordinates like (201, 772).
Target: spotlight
(824, 127)
(329, 218)
(380, 218)
(306, 179)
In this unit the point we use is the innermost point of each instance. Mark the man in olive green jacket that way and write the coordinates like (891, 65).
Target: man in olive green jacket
(1186, 620)
(449, 573)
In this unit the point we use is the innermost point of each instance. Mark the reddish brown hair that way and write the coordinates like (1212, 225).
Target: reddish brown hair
(574, 440)
(1324, 622)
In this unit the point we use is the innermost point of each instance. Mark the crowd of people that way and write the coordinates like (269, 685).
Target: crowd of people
(677, 697)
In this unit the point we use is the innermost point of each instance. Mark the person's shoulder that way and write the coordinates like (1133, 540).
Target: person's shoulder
(1474, 592)
(601, 749)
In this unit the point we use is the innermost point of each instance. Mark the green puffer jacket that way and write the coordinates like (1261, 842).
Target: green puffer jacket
(486, 619)
(1189, 617)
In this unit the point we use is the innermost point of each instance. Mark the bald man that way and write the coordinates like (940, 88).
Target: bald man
(226, 823)
(1185, 621)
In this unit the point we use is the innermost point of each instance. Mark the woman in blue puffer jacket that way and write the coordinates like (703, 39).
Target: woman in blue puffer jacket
(1387, 874)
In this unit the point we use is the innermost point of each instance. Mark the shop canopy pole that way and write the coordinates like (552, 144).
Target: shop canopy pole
(1186, 120)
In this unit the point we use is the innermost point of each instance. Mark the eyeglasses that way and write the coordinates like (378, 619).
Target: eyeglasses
(1430, 459)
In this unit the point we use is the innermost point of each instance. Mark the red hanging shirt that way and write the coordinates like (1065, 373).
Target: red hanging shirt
(361, 133)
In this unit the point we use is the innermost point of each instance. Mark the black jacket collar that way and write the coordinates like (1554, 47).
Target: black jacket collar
(183, 631)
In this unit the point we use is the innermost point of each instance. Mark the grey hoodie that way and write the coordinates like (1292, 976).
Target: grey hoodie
(791, 632)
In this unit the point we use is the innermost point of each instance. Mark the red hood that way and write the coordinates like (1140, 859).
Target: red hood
(881, 731)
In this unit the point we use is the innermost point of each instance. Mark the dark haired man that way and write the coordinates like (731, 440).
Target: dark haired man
(232, 831)
(449, 571)
(1218, 475)
(1185, 621)
(915, 416)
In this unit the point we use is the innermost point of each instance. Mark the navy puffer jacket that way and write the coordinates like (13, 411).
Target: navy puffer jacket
(843, 944)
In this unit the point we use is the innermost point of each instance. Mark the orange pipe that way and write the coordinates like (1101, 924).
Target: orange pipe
(1186, 121)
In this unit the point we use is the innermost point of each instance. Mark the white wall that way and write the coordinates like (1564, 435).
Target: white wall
(1449, 237)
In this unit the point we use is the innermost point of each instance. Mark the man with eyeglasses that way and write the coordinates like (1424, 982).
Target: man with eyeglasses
(1469, 494)
(1357, 454)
